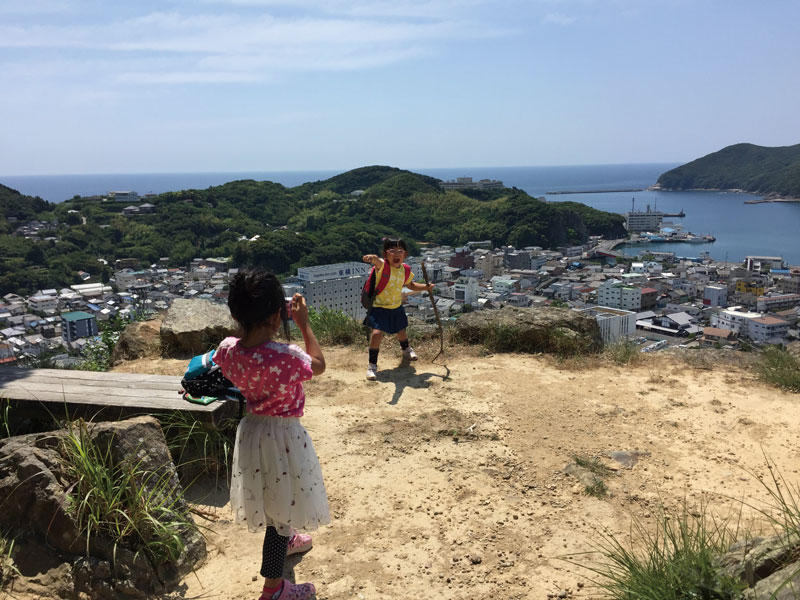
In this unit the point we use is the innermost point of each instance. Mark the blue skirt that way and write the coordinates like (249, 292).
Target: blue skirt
(388, 320)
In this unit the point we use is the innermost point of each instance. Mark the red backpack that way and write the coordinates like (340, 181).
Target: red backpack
(370, 289)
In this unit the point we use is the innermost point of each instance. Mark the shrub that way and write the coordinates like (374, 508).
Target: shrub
(136, 509)
(623, 352)
(335, 327)
(779, 367)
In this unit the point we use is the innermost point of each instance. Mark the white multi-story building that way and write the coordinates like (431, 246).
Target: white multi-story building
(788, 285)
(767, 328)
(715, 295)
(124, 196)
(617, 295)
(638, 267)
(503, 285)
(91, 289)
(538, 261)
(337, 286)
(764, 263)
(126, 278)
(465, 183)
(638, 220)
(466, 290)
(734, 320)
(777, 302)
(43, 303)
(614, 323)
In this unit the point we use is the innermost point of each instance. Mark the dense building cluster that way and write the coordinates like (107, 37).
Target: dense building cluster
(663, 299)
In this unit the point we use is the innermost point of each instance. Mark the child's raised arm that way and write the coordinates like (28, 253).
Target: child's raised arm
(375, 260)
(313, 349)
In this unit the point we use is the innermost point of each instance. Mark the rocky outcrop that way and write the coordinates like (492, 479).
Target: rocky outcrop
(551, 330)
(34, 493)
(191, 327)
(140, 339)
(769, 566)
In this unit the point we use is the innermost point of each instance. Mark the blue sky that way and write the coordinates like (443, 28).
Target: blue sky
(265, 85)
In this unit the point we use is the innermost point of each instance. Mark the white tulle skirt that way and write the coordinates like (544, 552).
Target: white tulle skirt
(276, 477)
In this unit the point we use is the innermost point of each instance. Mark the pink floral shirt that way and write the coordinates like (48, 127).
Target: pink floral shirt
(270, 376)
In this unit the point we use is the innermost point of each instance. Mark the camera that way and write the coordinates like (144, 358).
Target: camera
(289, 309)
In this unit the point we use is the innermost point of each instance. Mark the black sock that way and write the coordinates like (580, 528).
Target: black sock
(404, 344)
(373, 356)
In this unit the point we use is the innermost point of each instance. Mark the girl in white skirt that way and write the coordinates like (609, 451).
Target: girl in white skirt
(277, 481)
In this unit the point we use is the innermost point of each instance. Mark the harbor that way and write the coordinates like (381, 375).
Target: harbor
(676, 236)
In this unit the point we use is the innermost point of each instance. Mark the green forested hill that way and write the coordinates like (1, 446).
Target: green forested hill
(314, 223)
(757, 169)
(23, 208)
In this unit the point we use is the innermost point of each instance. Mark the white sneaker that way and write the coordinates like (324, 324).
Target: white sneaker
(371, 375)
(410, 354)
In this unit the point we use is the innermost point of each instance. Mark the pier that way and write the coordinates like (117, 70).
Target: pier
(593, 192)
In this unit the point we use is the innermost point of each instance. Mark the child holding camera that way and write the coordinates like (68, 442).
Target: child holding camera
(277, 480)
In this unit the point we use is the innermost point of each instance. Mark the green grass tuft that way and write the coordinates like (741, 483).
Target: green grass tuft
(779, 367)
(137, 509)
(598, 489)
(199, 448)
(676, 560)
(334, 327)
(623, 352)
(8, 570)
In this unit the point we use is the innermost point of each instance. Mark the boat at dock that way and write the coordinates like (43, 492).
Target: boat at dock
(689, 238)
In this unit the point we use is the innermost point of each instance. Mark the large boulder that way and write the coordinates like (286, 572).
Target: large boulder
(551, 330)
(140, 339)
(34, 492)
(192, 327)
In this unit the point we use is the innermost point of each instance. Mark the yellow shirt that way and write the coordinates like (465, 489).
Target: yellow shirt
(392, 294)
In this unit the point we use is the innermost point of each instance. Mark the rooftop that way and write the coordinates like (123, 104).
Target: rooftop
(77, 315)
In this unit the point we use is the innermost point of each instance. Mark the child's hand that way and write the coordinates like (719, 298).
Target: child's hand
(299, 310)
(430, 287)
(370, 258)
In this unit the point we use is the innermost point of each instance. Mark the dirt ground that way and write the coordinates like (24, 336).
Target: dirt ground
(447, 480)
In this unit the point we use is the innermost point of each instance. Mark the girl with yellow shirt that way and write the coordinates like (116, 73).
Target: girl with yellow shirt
(387, 314)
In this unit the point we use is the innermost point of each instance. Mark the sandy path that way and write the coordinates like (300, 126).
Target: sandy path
(452, 487)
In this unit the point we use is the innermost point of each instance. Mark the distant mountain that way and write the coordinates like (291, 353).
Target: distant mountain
(280, 228)
(757, 169)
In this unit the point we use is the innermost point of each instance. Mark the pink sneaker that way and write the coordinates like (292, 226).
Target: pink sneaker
(291, 591)
(299, 543)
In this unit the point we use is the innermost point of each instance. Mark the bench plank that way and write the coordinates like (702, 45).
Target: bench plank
(77, 389)
(127, 391)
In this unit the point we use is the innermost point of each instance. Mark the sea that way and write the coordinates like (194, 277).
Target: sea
(765, 229)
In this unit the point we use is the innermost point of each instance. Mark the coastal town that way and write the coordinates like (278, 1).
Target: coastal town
(656, 300)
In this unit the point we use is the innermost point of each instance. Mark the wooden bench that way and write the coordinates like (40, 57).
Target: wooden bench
(101, 395)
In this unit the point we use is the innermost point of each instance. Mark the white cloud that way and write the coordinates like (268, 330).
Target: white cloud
(558, 19)
(174, 47)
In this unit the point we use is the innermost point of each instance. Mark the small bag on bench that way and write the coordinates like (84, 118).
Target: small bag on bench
(203, 379)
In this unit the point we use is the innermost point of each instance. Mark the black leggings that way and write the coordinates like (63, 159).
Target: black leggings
(273, 554)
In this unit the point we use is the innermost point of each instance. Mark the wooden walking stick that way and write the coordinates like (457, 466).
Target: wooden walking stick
(435, 313)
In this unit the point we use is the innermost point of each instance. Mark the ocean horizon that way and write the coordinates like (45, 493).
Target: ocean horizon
(741, 229)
